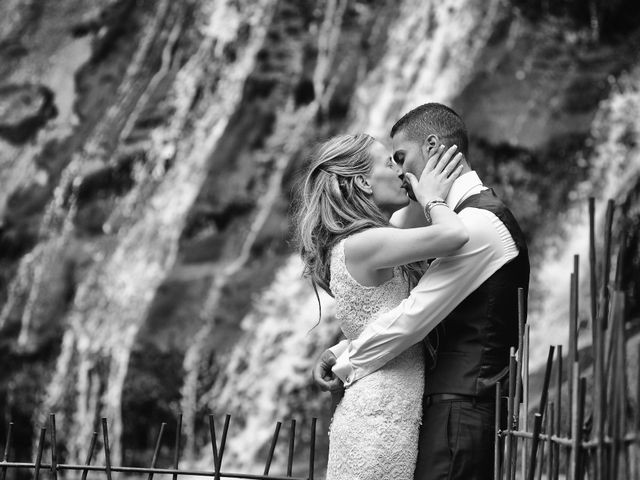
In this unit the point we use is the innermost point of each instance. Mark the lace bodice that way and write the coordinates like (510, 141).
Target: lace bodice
(356, 304)
(374, 430)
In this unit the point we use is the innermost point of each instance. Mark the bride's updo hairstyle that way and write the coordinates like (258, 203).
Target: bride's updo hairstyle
(331, 206)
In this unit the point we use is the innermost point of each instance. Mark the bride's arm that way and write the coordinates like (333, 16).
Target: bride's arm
(379, 248)
(409, 216)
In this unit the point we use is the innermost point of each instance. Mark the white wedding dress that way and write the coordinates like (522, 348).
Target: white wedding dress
(374, 430)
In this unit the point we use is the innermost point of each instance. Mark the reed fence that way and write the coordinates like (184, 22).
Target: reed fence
(587, 424)
(53, 468)
(565, 438)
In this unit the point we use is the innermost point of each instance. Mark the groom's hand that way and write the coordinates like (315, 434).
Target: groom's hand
(323, 376)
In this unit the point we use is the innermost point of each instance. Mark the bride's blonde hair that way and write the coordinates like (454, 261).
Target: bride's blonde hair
(331, 206)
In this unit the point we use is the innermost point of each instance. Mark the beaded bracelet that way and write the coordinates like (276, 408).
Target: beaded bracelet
(430, 204)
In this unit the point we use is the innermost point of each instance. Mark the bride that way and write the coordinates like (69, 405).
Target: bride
(368, 265)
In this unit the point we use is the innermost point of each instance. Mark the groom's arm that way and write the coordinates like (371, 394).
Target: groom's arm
(447, 282)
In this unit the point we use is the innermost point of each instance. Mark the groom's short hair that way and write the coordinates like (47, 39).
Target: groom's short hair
(434, 118)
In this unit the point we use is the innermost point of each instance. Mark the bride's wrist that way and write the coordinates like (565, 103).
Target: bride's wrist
(430, 204)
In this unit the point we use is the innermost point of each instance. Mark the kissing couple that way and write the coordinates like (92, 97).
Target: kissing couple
(425, 346)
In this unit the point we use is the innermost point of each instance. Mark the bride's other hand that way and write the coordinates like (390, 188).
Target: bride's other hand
(441, 170)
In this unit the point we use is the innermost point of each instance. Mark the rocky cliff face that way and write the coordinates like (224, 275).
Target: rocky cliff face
(148, 151)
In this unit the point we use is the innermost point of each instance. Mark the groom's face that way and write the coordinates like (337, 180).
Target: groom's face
(407, 155)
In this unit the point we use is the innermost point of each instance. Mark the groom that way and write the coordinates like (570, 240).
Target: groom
(471, 294)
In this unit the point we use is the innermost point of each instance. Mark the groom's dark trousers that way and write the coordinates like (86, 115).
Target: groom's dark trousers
(457, 436)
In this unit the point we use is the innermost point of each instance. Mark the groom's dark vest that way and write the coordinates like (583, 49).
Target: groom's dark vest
(473, 350)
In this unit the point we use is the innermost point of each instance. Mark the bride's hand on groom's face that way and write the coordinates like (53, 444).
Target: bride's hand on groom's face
(441, 170)
(323, 376)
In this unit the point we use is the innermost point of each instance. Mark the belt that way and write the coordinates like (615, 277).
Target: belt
(453, 397)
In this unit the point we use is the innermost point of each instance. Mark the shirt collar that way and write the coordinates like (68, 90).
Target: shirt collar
(464, 186)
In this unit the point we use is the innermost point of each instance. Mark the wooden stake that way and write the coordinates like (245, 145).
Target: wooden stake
(54, 447)
(497, 474)
(543, 450)
(509, 440)
(176, 453)
(156, 450)
(107, 448)
(525, 396)
(551, 432)
(214, 445)
(312, 447)
(292, 439)
(547, 380)
(522, 316)
(604, 295)
(576, 424)
(593, 282)
(223, 441)
(87, 462)
(272, 448)
(572, 343)
(36, 472)
(7, 448)
(537, 425)
(636, 445)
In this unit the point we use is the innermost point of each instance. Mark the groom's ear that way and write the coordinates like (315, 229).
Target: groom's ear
(432, 141)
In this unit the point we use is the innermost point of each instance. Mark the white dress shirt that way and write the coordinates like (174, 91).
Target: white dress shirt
(445, 284)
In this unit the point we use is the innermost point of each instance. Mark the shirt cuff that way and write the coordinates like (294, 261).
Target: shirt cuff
(340, 348)
(343, 369)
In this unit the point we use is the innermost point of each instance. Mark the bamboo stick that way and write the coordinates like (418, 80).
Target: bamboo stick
(637, 419)
(525, 396)
(107, 448)
(497, 474)
(537, 425)
(576, 425)
(522, 316)
(272, 448)
(214, 445)
(92, 446)
(593, 282)
(543, 402)
(558, 429)
(156, 450)
(567, 442)
(7, 449)
(604, 295)
(223, 441)
(547, 380)
(312, 447)
(550, 431)
(572, 344)
(54, 447)
(159, 471)
(596, 337)
(620, 310)
(582, 391)
(619, 379)
(176, 453)
(521, 326)
(543, 451)
(509, 440)
(36, 472)
(292, 439)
